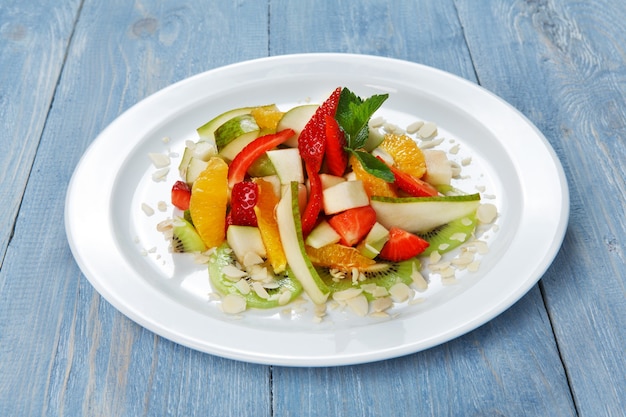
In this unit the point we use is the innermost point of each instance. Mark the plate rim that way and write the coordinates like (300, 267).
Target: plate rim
(265, 358)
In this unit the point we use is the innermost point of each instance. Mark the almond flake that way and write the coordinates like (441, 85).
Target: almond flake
(381, 304)
(414, 127)
(233, 273)
(160, 174)
(159, 160)
(284, 298)
(260, 291)
(427, 130)
(347, 294)
(399, 292)
(486, 213)
(243, 286)
(418, 279)
(233, 304)
(458, 236)
(359, 305)
(149, 211)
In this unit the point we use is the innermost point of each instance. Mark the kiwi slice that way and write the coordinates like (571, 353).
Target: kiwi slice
(382, 274)
(450, 235)
(185, 238)
(224, 256)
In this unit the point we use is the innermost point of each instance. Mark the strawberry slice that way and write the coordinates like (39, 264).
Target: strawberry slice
(312, 139)
(314, 203)
(239, 166)
(353, 224)
(181, 193)
(242, 201)
(402, 245)
(410, 184)
(336, 155)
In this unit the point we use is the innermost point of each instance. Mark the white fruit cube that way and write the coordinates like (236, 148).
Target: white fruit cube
(245, 240)
(438, 168)
(330, 180)
(343, 196)
(323, 234)
(374, 241)
(288, 165)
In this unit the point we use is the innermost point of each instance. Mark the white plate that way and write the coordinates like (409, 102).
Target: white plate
(120, 252)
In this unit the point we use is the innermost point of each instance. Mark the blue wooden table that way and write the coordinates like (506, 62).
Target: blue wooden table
(69, 68)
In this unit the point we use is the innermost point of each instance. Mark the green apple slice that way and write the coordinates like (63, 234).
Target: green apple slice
(290, 230)
(207, 131)
(421, 214)
(235, 134)
(296, 118)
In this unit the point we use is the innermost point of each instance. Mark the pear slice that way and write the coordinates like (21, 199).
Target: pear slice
(290, 230)
(421, 214)
(206, 132)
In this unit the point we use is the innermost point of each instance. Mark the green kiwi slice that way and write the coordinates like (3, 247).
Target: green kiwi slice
(450, 235)
(382, 274)
(185, 238)
(224, 256)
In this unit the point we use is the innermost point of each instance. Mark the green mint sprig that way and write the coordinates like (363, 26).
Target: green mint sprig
(353, 115)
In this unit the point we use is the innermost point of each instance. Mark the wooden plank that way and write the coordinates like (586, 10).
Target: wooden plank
(79, 356)
(34, 38)
(563, 64)
(510, 366)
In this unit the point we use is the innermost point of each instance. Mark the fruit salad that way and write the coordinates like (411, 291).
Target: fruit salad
(312, 201)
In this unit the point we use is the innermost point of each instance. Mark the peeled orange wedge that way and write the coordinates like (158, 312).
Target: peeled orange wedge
(407, 156)
(338, 256)
(267, 117)
(372, 184)
(264, 210)
(208, 202)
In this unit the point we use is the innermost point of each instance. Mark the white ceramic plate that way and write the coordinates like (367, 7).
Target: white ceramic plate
(120, 252)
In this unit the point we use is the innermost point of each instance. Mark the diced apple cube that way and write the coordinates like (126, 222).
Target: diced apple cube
(371, 245)
(438, 168)
(330, 180)
(323, 234)
(343, 196)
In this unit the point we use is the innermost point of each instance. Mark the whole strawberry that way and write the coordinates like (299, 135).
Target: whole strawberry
(243, 199)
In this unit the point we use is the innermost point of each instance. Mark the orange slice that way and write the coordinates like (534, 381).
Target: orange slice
(264, 210)
(267, 117)
(372, 184)
(338, 256)
(208, 202)
(407, 156)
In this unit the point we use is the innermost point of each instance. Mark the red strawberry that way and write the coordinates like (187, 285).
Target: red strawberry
(181, 193)
(336, 155)
(353, 224)
(402, 245)
(314, 202)
(242, 201)
(312, 139)
(239, 166)
(412, 185)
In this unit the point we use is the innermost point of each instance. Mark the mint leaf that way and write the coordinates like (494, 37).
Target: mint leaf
(373, 165)
(353, 115)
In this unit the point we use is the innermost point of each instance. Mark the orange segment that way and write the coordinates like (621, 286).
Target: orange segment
(267, 117)
(372, 184)
(338, 256)
(407, 156)
(208, 202)
(264, 210)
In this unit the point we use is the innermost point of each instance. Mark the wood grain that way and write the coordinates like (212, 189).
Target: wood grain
(566, 70)
(34, 40)
(78, 355)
